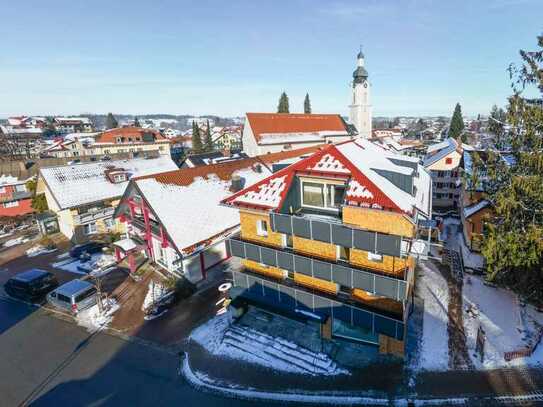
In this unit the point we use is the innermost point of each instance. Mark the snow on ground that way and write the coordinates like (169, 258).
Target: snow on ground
(471, 260)
(77, 266)
(433, 289)
(508, 325)
(223, 339)
(155, 292)
(92, 319)
(39, 249)
(16, 241)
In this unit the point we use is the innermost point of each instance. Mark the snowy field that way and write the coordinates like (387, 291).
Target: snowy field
(432, 288)
(508, 325)
(219, 337)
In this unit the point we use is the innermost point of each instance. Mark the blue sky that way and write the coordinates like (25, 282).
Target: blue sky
(227, 58)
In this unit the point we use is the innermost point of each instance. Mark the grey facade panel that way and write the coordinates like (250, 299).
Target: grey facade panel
(385, 326)
(342, 235)
(252, 252)
(320, 231)
(386, 287)
(281, 223)
(268, 256)
(363, 318)
(304, 300)
(322, 270)
(302, 265)
(240, 280)
(285, 261)
(388, 244)
(363, 281)
(402, 293)
(301, 227)
(237, 248)
(364, 240)
(342, 275)
(322, 305)
(287, 295)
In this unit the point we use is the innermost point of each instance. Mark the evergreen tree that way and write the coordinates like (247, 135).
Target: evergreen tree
(196, 139)
(111, 121)
(496, 123)
(283, 104)
(307, 104)
(513, 243)
(208, 142)
(456, 127)
(137, 122)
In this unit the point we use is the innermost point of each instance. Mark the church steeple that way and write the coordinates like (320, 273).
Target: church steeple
(360, 109)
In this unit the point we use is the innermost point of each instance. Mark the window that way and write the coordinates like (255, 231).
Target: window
(326, 196)
(119, 177)
(11, 204)
(448, 160)
(343, 253)
(261, 228)
(90, 228)
(375, 257)
(86, 294)
(441, 173)
(109, 223)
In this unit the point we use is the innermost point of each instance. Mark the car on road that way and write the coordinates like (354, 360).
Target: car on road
(31, 285)
(87, 248)
(74, 296)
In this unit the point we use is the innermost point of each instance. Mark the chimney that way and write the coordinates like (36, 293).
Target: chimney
(236, 184)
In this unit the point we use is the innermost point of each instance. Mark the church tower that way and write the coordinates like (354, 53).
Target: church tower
(360, 108)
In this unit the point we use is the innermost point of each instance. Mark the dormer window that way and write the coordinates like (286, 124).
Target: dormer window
(322, 195)
(117, 178)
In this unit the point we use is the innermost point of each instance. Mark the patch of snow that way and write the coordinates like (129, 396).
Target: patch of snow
(154, 293)
(358, 191)
(433, 289)
(219, 337)
(267, 194)
(39, 249)
(16, 241)
(93, 319)
(472, 260)
(508, 326)
(81, 267)
(329, 163)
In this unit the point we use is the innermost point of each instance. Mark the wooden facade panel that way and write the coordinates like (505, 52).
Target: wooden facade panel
(248, 222)
(378, 221)
(273, 272)
(316, 283)
(381, 303)
(393, 266)
(391, 346)
(315, 248)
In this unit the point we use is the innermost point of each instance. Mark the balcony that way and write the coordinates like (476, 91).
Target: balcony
(94, 215)
(340, 273)
(328, 230)
(293, 298)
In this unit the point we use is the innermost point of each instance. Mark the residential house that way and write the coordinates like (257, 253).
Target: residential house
(213, 157)
(229, 138)
(174, 218)
(84, 196)
(273, 132)
(442, 161)
(125, 140)
(65, 125)
(332, 238)
(15, 198)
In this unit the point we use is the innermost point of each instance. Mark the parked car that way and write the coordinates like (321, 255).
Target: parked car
(87, 248)
(31, 285)
(74, 296)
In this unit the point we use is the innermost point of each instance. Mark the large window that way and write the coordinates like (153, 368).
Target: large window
(322, 195)
(90, 228)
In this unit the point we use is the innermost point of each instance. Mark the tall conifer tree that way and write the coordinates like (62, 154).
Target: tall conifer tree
(456, 128)
(307, 104)
(283, 106)
(208, 142)
(196, 139)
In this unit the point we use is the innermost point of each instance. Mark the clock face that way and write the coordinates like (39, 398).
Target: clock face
(365, 84)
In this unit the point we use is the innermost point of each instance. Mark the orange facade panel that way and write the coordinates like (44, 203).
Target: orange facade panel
(381, 303)
(315, 283)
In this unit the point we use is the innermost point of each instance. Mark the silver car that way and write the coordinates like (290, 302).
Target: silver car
(74, 296)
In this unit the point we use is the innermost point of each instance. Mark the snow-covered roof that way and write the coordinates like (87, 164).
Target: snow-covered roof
(473, 209)
(187, 201)
(8, 180)
(79, 184)
(362, 164)
(440, 150)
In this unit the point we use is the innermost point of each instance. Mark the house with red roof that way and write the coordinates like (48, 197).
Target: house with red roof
(175, 219)
(333, 239)
(265, 133)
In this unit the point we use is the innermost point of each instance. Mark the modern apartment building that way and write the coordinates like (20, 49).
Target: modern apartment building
(331, 239)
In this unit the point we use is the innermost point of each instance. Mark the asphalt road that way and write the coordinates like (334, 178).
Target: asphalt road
(46, 361)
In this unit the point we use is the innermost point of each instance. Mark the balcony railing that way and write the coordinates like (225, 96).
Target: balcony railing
(92, 216)
(336, 272)
(293, 298)
(336, 233)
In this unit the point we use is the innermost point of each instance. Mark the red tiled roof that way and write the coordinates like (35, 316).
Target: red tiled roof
(224, 171)
(263, 123)
(110, 136)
